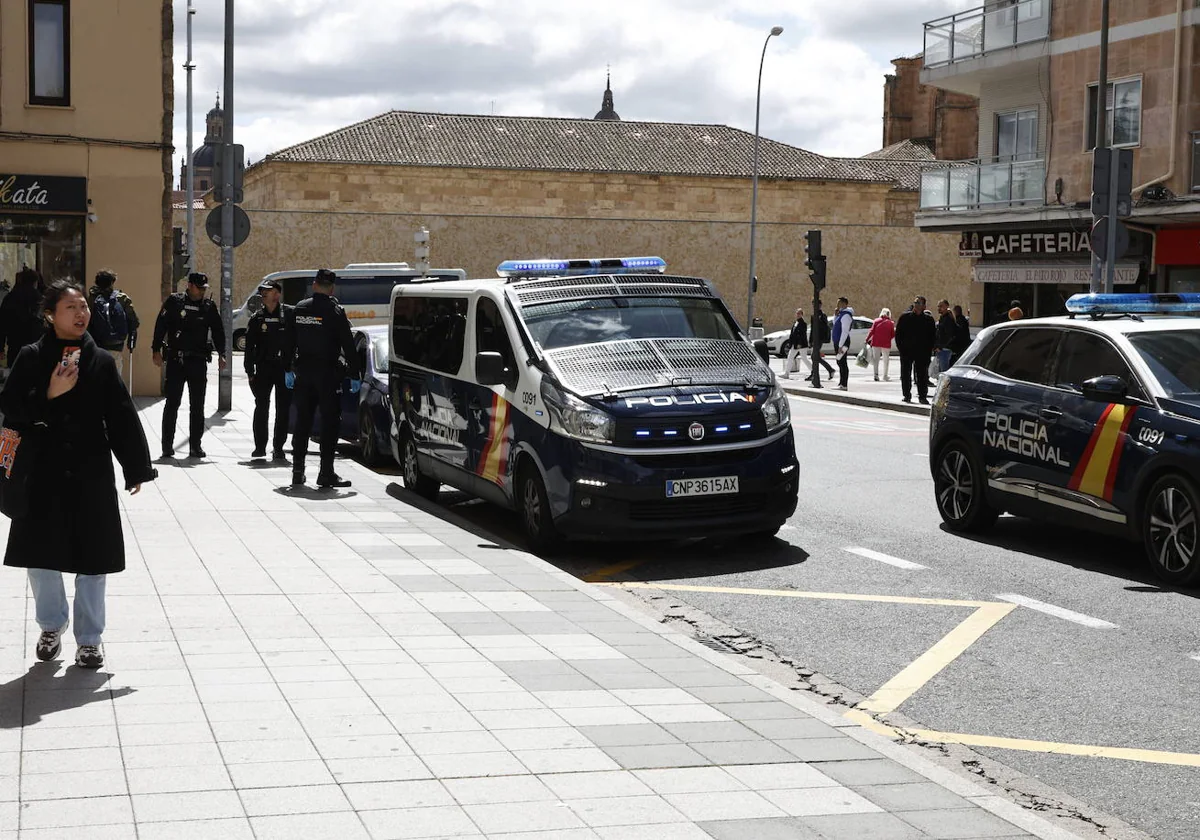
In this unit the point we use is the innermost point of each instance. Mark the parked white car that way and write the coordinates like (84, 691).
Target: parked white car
(779, 344)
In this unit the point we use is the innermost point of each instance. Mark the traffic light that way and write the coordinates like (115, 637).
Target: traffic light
(179, 255)
(814, 260)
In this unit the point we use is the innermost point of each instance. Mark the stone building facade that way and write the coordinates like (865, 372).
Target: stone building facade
(492, 188)
(945, 121)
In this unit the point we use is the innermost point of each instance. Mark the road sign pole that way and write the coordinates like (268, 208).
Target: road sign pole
(1101, 138)
(1110, 255)
(225, 377)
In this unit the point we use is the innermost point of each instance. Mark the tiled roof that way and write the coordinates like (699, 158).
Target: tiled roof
(900, 162)
(409, 138)
(904, 150)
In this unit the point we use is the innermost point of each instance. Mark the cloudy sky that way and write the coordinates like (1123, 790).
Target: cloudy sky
(305, 67)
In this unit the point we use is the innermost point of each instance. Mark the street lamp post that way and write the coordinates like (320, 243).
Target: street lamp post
(752, 280)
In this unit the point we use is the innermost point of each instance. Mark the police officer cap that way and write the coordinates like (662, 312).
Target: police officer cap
(198, 279)
(326, 277)
(270, 284)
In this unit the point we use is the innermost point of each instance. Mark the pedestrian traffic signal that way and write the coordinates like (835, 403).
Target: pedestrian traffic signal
(817, 274)
(814, 260)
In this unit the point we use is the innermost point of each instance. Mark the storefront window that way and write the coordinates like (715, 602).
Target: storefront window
(51, 244)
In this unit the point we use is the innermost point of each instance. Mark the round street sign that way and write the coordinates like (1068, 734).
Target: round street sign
(1099, 238)
(241, 226)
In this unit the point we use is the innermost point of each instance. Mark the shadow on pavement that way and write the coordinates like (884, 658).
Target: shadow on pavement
(315, 494)
(1084, 550)
(39, 693)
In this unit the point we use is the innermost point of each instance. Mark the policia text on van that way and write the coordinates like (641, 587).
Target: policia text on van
(595, 397)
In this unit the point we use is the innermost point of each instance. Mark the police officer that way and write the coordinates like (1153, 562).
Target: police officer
(264, 367)
(319, 352)
(184, 325)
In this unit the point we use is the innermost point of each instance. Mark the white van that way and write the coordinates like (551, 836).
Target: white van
(363, 289)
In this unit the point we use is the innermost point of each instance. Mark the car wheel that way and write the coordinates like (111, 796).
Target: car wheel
(239, 341)
(960, 490)
(1169, 530)
(368, 444)
(414, 479)
(536, 519)
(783, 349)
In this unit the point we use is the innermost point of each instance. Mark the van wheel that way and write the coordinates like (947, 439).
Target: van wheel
(960, 490)
(536, 519)
(239, 341)
(368, 445)
(414, 479)
(1169, 530)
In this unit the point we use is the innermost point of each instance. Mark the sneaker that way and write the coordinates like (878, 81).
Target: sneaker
(49, 644)
(841, 387)
(887, 379)
(260, 452)
(196, 452)
(332, 480)
(89, 656)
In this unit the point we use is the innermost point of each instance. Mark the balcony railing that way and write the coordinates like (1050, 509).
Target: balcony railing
(981, 185)
(985, 29)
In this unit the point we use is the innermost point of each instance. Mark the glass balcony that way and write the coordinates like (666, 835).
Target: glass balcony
(982, 185)
(985, 29)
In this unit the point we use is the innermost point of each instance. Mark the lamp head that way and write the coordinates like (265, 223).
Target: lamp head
(776, 30)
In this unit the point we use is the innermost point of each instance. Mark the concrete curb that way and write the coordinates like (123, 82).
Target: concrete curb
(849, 398)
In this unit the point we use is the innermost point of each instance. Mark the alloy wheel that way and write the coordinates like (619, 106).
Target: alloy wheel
(531, 505)
(955, 485)
(1173, 532)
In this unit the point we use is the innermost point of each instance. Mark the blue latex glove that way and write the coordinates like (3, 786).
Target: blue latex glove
(289, 380)
(355, 386)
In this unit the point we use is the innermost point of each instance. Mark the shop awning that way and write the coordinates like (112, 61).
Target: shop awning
(1051, 272)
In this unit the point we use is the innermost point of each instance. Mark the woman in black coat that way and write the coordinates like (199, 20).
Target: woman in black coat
(66, 396)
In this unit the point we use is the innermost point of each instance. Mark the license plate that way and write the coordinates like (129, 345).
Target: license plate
(702, 486)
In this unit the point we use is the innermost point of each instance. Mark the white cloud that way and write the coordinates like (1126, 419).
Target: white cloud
(305, 67)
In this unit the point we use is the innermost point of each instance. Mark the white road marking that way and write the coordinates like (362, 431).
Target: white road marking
(1195, 656)
(884, 558)
(1057, 612)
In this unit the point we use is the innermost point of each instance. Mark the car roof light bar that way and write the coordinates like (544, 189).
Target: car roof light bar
(566, 268)
(1130, 303)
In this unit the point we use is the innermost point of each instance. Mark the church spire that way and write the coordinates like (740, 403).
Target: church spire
(607, 111)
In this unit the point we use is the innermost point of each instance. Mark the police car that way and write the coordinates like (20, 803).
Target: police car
(596, 398)
(1090, 420)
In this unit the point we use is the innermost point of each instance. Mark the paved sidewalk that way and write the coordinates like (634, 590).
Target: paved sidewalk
(344, 665)
(861, 390)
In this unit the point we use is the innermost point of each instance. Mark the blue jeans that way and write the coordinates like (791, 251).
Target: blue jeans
(50, 602)
(943, 357)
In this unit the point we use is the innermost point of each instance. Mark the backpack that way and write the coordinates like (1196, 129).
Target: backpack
(823, 326)
(110, 324)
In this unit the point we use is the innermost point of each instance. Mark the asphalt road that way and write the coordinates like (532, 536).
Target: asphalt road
(1033, 675)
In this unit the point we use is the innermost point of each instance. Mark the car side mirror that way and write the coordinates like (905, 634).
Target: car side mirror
(764, 352)
(1105, 389)
(489, 368)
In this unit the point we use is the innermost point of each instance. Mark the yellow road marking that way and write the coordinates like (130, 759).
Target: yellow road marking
(926, 666)
(789, 593)
(602, 575)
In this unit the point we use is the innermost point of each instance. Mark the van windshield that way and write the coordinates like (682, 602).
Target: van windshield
(599, 320)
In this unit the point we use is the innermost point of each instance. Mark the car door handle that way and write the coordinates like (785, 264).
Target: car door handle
(984, 399)
(1051, 413)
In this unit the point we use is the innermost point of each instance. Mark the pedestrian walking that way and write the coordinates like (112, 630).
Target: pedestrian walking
(879, 340)
(944, 336)
(21, 320)
(797, 343)
(318, 353)
(265, 369)
(114, 324)
(821, 336)
(65, 394)
(843, 323)
(962, 335)
(916, 334)
(181, 341)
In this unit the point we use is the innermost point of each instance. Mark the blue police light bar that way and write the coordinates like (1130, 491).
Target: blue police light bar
(562, 268)
(1130, 303)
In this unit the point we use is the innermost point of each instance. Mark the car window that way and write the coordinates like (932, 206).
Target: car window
(1026, 355)
(490, 334)
(430, 331)
(1083, 356)
(1174, 360)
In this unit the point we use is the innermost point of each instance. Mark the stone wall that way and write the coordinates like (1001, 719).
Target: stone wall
(913, 111)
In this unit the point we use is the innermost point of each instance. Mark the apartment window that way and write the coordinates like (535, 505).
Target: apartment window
(49, 52)
(1017, 135)
(1123, 113)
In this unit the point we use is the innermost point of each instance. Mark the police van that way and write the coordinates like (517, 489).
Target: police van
(1090, 420)
(363, 289)
(596, 398)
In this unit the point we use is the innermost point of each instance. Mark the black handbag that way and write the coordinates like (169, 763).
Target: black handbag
(18, 452)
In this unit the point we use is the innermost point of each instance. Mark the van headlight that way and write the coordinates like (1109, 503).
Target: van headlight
(776, 409)
(575, 418)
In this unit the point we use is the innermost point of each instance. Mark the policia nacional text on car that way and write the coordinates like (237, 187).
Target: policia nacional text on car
(318, 353)
(181, 338)
(264, 367)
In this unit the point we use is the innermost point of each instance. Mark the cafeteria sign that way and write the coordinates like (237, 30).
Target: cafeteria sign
(1025, 243)
(1059, 274)
(42, 194)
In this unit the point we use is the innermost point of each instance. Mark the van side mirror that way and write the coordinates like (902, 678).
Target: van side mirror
(764, 352)
(489, 368)
(1105, 389)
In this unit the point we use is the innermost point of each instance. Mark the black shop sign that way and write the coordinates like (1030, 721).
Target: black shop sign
(1044, 243)
(42, 194)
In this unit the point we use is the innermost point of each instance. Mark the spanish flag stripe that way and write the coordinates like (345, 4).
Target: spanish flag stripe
(481, 468)
(1107, 444)
(1111, 479)
(1077, 478)
(491, 463)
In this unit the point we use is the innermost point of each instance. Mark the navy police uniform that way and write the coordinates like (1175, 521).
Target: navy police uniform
(264, 362)
(320, 352)
(181, 335)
